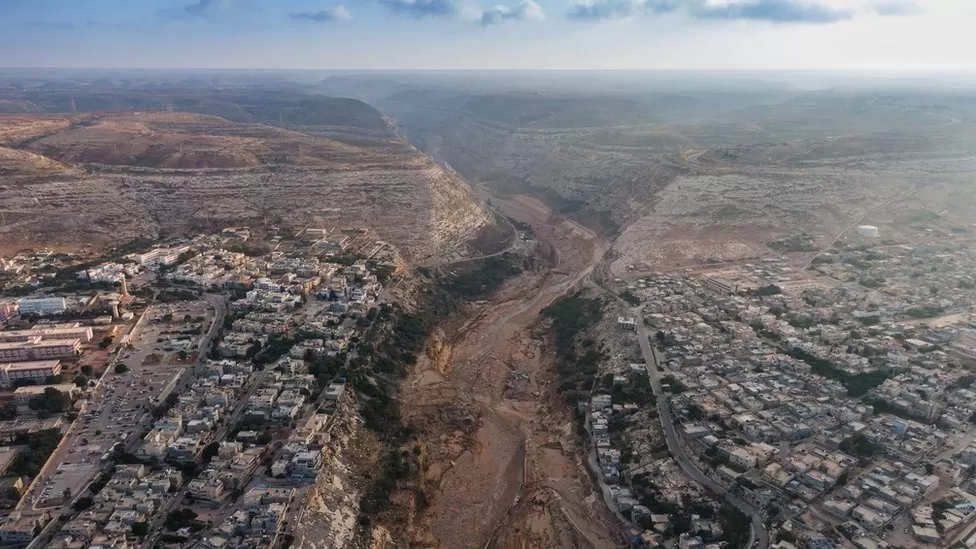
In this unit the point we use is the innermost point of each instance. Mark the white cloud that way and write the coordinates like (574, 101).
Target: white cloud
(528, 10)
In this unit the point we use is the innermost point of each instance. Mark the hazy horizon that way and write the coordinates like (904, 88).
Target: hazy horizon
(884, 35)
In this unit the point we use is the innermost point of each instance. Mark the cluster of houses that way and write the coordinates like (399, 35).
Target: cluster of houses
(133, 494)
(789, 388)
(256, 522)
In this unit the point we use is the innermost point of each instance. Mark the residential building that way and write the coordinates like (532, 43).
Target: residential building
(42, 305)
(33, 371)
(37, 349)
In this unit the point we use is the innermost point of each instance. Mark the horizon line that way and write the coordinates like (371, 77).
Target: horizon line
(907, 69)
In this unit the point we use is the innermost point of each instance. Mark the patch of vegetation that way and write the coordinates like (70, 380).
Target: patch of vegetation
(29, 461)
(180, 518)
(673, 385)
(638, 391)
(347, 259)
(8, 411)
(577, 361)
(881, 406)
(869, 282)
(767, 290)
(395, 465)
(963, 382)
(870, 320)
(276, 347)
(485, 279)
(799, 322)
(799, 243)
(925, 312)
(170, 295)
(859, 446)
(735, 525)
(856, 384)
(571, 315)
(629, 297)
(51, 401)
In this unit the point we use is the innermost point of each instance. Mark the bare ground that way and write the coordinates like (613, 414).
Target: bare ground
(504, 463)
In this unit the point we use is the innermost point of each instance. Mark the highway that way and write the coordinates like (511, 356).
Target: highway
(759, 536)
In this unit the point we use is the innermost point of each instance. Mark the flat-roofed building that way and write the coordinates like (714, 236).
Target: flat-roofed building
(35, 371)
(869, 518)
(36, 348)
(22, 395)
(47, 333)
(7, 455)
(159, 256)
(42, 305)
(720, 285)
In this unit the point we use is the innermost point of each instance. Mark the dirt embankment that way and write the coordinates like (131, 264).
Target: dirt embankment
(505, 467)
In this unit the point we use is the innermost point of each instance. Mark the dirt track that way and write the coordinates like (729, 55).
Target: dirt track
(505, 469)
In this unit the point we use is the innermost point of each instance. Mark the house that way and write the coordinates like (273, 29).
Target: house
(627, 323)
(305, 465)
(18, 530)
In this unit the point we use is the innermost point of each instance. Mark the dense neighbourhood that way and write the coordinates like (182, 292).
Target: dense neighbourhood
(832, 402)
(184, 393)
(187, 393)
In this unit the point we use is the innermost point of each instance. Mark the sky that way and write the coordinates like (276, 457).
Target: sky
(490, 34)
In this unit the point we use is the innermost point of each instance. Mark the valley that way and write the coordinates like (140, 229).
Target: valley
(506, 468)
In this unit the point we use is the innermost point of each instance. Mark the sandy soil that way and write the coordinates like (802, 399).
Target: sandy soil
(505, 469)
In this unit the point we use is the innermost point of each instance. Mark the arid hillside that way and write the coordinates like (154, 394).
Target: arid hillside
(686, 178)
(106, 177)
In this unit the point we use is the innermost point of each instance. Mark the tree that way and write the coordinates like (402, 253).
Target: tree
(121, 368)
(770, 289)
(210, 451)
(28, 462)
(81, 380)
(8, 410)
(51, 401)
(254, 349)
(180, 518)
(140, 529)
(630, 297)
(87, 370)
(82, 503)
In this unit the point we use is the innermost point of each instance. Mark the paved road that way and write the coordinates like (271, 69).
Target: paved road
(759, 536)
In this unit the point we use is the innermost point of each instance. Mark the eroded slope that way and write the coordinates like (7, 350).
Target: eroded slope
(105, 178)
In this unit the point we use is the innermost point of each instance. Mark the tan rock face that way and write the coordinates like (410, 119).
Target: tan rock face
(106, 179)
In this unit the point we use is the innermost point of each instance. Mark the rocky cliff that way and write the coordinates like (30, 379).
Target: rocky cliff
(105, 178)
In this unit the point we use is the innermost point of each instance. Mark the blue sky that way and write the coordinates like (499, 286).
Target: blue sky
(472, 34)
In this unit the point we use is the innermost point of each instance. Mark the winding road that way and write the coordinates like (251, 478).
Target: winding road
(759, 535)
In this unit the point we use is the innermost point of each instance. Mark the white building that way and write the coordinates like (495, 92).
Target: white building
(48, 332)
(22, 395)
(36, 348)
(159, 256)
(36, 371)
(867, 231)
(42, 305)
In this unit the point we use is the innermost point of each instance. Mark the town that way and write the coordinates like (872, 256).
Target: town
(186, 393)
(826, 398)
(181, 392)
